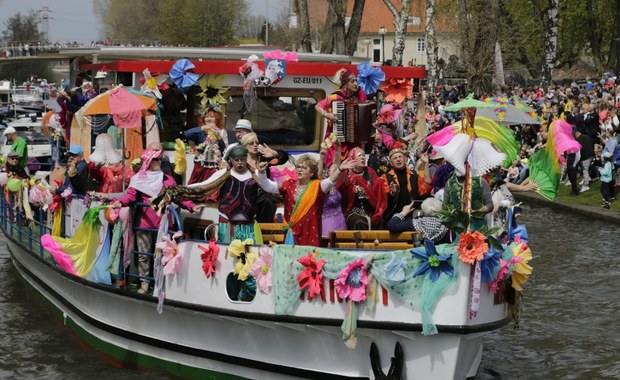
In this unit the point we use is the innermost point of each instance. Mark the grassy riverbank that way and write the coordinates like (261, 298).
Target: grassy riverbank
(591, 197)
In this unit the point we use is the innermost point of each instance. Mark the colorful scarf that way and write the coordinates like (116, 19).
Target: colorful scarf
(303, 205)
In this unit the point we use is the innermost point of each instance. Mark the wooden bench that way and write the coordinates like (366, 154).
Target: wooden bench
(379, 239)
(272, 232)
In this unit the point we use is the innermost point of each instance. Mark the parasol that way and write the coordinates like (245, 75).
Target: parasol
(508, 114)
(182, 74)
(486, 128)
(126, 108)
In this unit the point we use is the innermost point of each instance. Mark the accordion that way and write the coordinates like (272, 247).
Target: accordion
(354, 121)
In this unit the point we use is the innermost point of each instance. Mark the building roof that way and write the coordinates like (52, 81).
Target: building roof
(376, 14)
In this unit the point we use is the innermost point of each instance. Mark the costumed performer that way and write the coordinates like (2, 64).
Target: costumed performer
(237, 190)
(349, 91)
(429, 224)
(333, 216)
(213, 141)
(144, 185)
(303, 198)
(401, 184)
(481, 200)
(363, 194)
(106, 166)
(266, 202)
(77, 176)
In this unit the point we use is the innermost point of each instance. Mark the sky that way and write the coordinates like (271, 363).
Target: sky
(74, 20)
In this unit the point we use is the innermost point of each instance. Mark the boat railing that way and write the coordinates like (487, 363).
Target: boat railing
(18, 226)
(126, 275)
(28, 232)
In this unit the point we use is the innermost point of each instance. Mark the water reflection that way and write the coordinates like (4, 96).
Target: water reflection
(569, 326)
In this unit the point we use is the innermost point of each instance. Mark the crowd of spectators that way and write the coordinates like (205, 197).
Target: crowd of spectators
(592, 110)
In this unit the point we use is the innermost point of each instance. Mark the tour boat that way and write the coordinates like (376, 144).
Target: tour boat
(390, 307)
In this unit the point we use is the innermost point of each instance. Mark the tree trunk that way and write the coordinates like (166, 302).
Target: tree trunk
(335, 28)
(594, 34)
(400, 32)
(614, 53)
(431, 46)
(304, 26)
(354, 26)
(551, 38)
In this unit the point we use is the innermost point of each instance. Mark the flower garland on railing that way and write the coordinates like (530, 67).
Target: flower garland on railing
(239, 250)
(171, 260)
(261, 269)
(209, 258)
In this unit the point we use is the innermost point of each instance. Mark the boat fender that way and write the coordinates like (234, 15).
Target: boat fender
(396, 366)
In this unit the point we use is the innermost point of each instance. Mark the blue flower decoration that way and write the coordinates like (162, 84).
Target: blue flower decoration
(489, 264)
(395, 269)
(369, 77)
(514, 229)
(432, 262)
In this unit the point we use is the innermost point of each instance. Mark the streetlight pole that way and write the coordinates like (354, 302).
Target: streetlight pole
(382, 32)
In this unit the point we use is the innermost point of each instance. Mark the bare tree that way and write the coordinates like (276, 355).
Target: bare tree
(431, 45)
(550, 41)
(400, 26)
(478, 37)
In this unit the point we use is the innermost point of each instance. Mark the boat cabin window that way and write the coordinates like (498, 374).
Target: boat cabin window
(283, 119)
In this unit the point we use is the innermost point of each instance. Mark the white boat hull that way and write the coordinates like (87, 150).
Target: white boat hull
(248, 340)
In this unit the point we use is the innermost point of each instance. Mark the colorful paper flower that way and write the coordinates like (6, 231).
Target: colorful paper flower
(237, 249)
(152, 85)
(209, 258)
(472, 246)
(395, 268)
(352, 281)
(261, 269)
(432, 262)
(489, 264)
(212, 91)
(397, 89)
(171, 259)
(522, 269)
(312, 276)
(369, 77)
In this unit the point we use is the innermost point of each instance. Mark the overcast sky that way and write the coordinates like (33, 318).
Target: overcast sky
(73, 20)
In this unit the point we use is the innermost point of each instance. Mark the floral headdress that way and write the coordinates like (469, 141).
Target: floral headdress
(398, 148)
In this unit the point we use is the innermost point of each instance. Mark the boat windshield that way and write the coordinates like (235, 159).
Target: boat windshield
(284, 120)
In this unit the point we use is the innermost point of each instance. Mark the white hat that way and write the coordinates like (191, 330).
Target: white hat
(244, 124)
(9, 131)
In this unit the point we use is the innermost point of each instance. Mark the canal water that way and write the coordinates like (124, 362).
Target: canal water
(568, 330)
